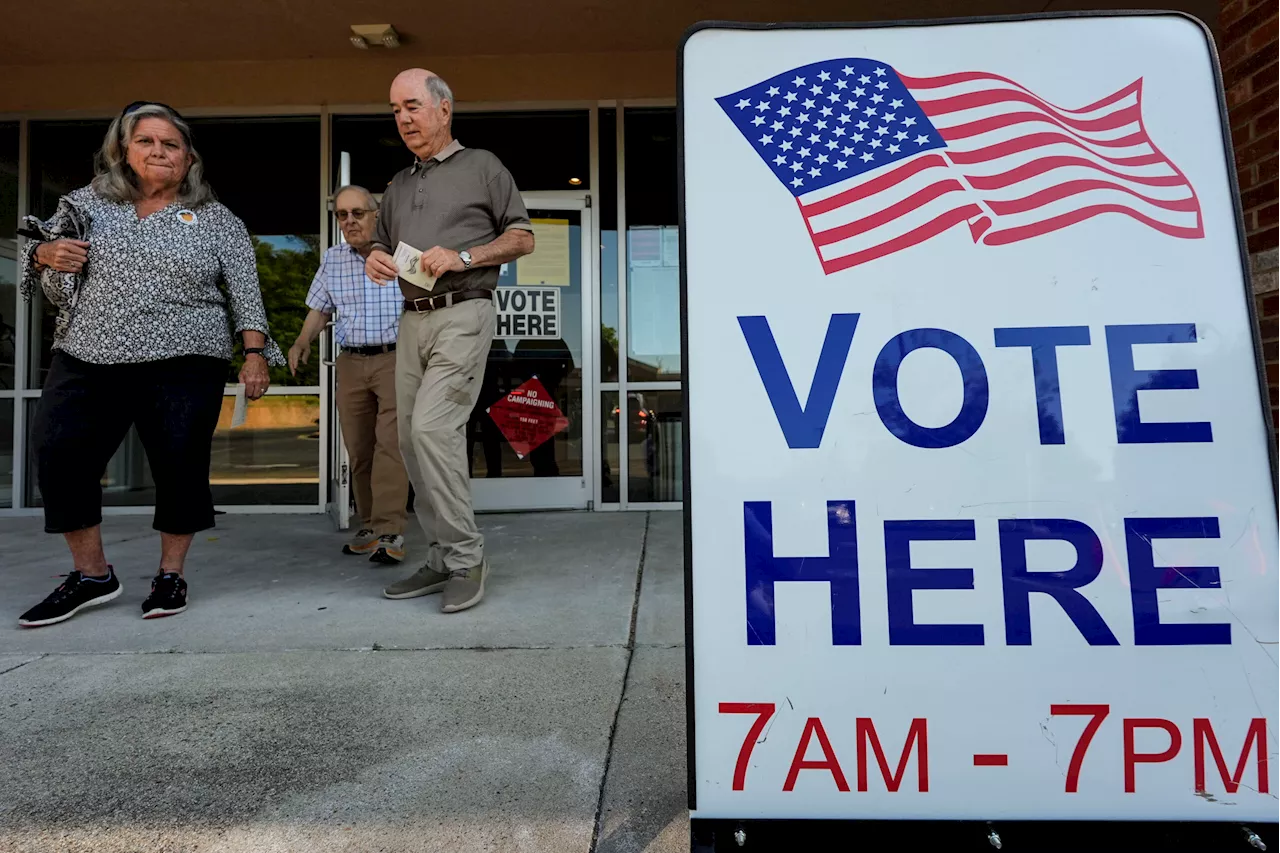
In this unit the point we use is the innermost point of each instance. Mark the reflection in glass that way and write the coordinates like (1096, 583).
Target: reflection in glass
(654, 439)
(543, 150)
(653, 246)
(610, 468)
(8, 257)
(6, 451)
(653, 302)
(281, 214)
(125, 482)
(523, 356)
(61, 160)
(273, 458)
(286, 265)
(608, 245)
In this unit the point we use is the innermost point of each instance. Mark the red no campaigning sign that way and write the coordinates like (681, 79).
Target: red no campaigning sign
(527, 417)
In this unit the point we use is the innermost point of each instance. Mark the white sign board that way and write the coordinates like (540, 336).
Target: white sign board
(982, 517)
(531, 313)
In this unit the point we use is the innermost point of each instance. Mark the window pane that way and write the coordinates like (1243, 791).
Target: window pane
(653, 244)
(274, 458)
(655, 455)
(283, 216)
(61, 158)
(281, 211)
(608, 245)
(126, 482)
(542, 150)
(610, 468)
(8, 258)
(6, 451)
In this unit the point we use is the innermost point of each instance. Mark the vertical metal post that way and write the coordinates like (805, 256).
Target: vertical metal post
(624, 402)
(594, 467)
(23, 330)
(326, 399)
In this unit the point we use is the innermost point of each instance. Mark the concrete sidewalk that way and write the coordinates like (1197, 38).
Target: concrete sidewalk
(292, 708)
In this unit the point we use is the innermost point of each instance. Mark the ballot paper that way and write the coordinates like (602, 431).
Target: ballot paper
(408, 261)
(239, 412)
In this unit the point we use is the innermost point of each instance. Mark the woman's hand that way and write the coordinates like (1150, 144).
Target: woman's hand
(63, 255)
(255, 377)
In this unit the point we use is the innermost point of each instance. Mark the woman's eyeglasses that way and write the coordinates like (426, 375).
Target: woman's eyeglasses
(137, 105)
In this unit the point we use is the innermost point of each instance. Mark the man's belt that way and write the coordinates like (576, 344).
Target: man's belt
(434, 303)
(375, 350)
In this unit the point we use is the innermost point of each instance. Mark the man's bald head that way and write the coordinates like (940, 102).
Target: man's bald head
(416, 81)
(355, 194)
(423, 106)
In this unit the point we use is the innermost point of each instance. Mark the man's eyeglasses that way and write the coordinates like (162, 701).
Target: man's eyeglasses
(357, 213)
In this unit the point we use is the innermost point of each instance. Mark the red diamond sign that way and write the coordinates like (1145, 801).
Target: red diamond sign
(527, 417)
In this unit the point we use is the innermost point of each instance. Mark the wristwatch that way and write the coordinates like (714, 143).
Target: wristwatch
(466, 259)
(248, 351)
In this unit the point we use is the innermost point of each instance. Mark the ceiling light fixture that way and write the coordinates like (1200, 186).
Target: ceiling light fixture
(576, 181)
(365, 36)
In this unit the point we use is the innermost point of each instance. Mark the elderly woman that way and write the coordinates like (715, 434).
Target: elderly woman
(145, 341)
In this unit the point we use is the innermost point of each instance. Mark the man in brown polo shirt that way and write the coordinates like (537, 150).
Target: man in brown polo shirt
(460, 208)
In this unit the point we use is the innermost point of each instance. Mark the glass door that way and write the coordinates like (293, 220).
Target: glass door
(530, 439)
(338, 501)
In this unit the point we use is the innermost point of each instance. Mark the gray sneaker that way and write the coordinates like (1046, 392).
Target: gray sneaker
(364, 542)
(390, 550)
(465, 588)
(424, 581)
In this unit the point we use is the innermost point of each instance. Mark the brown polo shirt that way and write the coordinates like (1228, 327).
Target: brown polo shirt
(460, 198)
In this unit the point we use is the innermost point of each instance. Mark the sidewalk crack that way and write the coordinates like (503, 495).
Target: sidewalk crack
(19, 665)
(626, 679)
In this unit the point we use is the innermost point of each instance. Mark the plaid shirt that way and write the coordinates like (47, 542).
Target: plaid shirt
(368, 313)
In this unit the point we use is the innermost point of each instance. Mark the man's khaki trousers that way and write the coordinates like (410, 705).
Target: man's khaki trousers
(367, 413)
(440, 360)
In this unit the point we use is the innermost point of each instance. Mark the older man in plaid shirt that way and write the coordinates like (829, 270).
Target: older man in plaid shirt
(368, 321)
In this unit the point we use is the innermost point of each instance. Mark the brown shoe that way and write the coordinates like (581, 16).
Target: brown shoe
(465, 588)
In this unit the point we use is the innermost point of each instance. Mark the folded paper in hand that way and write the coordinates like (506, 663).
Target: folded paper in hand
(409, 260)
(239, 412)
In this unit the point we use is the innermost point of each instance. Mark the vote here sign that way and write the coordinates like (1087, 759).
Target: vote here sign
(982, 523)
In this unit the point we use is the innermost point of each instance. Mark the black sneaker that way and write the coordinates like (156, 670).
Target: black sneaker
(75, 593)
(168, 596)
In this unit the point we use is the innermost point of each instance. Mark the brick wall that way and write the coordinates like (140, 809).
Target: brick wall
(1248, 51)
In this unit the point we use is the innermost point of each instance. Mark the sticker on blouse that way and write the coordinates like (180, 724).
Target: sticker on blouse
(188, 217)
(408, 261)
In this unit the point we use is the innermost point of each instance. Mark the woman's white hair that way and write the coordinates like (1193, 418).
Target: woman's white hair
(115, 179)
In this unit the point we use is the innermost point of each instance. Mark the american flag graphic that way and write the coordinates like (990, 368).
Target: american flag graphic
(879, 161)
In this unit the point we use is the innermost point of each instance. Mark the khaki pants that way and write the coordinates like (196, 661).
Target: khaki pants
(367, 413)
(440, 362)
